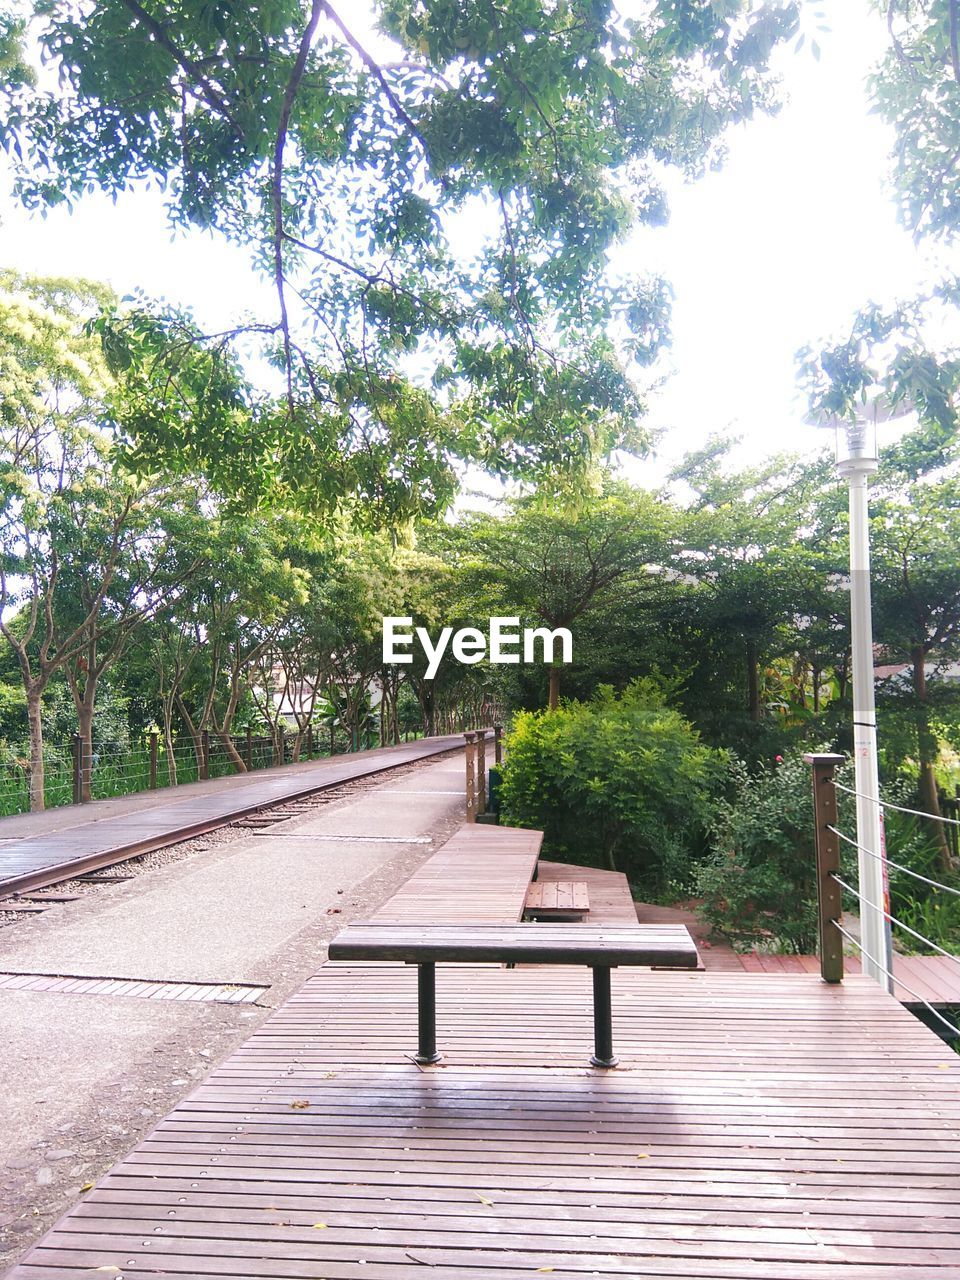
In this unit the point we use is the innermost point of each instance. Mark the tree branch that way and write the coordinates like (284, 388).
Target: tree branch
(377, 72)
(286, 109)
(211, 93)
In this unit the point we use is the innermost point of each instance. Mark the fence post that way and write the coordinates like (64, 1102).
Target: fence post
(482, 771)
(310, 741)
(827, 846)
(498, 744)
(471, 776)
(153, 759)
(204, 754)
(76, 750)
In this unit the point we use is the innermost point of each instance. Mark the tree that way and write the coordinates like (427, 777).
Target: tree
(554, 564)
(746, 563)
(351, 168)
(155, 561)
(916, 536)
(246, 590)
(60, 506)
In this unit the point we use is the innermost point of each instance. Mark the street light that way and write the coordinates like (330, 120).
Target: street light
(857, 460)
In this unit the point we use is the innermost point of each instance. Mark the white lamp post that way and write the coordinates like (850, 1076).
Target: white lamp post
(856, 462)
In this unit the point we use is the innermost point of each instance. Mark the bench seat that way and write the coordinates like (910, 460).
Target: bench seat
(662, 945)
(601, 947)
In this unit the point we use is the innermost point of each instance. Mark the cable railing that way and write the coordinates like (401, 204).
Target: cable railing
(831, 886)
(899, 808)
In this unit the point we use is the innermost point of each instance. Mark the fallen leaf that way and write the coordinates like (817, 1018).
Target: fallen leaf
(544, 1268)
(643, 1155)
(299, 1104)
(320, 1226)
(484, 1200)
(87, 1186)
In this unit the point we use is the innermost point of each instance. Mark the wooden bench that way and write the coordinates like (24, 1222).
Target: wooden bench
(557, 899)
(599, 947)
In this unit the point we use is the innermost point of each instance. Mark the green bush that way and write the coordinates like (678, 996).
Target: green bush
(620, 781)
(759, 881)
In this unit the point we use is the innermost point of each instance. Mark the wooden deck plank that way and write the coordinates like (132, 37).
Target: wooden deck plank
(759, 1126)
(480, 876)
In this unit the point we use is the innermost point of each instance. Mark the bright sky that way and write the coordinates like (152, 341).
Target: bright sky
(774, 252)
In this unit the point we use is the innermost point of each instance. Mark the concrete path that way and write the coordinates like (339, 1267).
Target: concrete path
(93, 839)
(86, 1075)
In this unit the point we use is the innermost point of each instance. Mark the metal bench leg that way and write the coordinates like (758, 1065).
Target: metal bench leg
(427, 1014)
(603, 1055)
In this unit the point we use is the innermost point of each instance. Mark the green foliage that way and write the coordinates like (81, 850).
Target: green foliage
(916, 89)
(621, 781)
(931, 912)
(759, 881)
(351, 173)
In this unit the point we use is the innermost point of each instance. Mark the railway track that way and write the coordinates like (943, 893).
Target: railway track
(32, 890)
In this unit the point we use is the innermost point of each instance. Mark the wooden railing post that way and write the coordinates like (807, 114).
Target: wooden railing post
(827, 846)
(471, 777)
(154, 736)
(76, 750)
(204, 754)
(498, 744)
(482, 771)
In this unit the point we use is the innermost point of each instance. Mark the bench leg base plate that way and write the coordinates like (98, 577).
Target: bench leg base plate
(423, 1061)
(603, 1062)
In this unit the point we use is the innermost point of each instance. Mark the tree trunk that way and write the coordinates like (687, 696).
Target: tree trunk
(928, 750)
(233, 755)
(753, 681)
(193, 731)
(34, 720)
(553, 695)
(815, 676)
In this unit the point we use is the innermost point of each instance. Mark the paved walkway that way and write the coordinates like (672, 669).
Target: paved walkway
(88, 1070)
(35, 848)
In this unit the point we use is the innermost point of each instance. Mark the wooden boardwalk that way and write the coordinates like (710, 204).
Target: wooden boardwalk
(33, 860)
(934, 979)
(760, 1127)
(477, 877)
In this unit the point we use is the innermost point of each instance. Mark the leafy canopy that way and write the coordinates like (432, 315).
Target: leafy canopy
(357, 168)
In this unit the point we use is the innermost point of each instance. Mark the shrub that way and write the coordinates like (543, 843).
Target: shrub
(620, 781)
(759, 881)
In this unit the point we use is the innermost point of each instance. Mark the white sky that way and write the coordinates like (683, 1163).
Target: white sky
(774, 252)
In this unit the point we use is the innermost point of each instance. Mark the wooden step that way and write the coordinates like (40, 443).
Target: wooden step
(557, 897)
